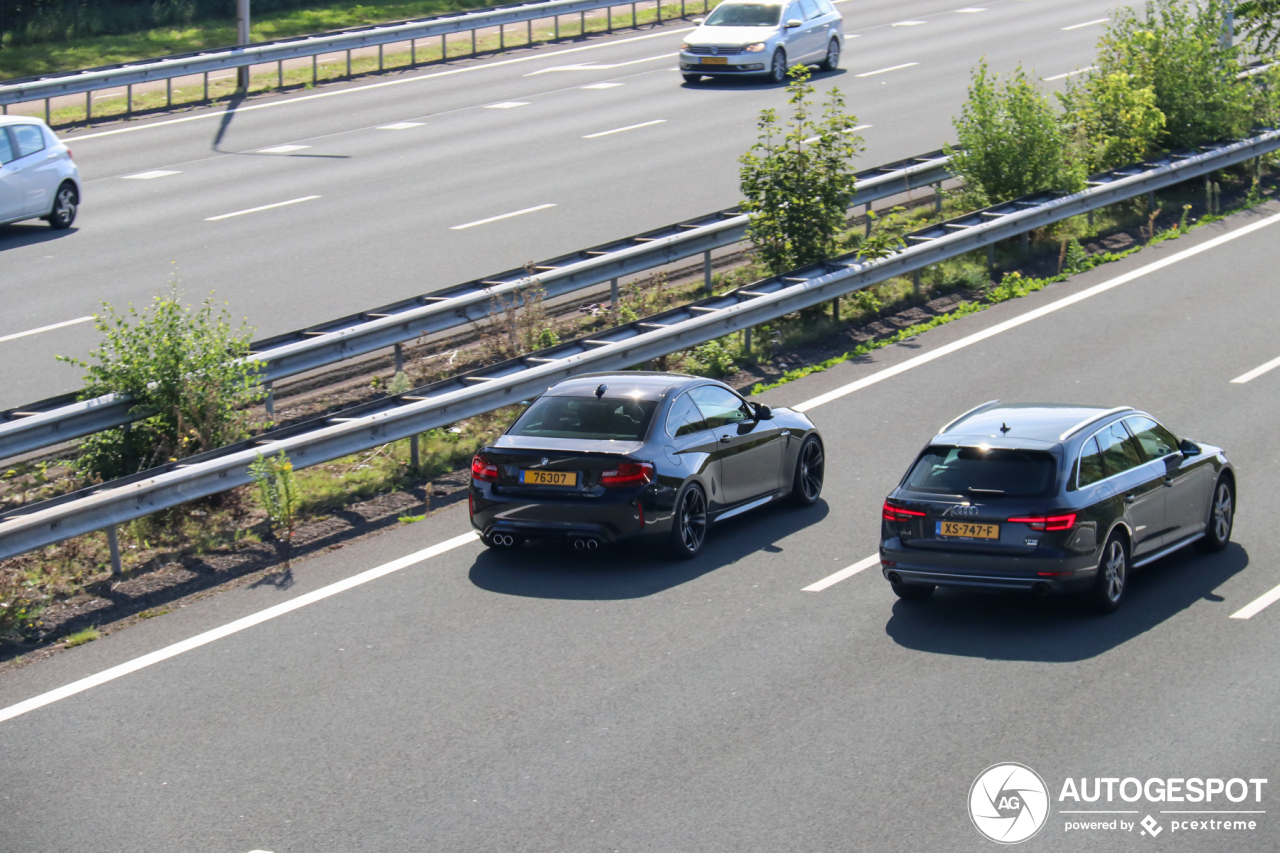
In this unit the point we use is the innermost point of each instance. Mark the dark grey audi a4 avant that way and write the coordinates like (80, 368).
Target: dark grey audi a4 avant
(1051, 498)
(604, 457)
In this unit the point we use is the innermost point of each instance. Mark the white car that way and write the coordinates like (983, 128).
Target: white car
(763, 38)
(38, 178)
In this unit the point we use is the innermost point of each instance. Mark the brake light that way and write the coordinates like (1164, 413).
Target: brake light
(1047, 522)
(484, 470)
(897, 513)
(627, 474)
(70, 156)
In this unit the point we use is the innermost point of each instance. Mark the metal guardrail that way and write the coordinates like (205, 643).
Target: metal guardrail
(62, 418)
(204, 62)
(406, 415)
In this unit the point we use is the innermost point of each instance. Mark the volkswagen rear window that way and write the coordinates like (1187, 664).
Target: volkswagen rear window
(745, 15)
(591, 418)
(974, 471)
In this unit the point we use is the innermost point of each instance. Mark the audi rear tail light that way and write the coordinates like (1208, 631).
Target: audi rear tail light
(627, 474)
(484, 470)
(897, 513)
(1047, 522)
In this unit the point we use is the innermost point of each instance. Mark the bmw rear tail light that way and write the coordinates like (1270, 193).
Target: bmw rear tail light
(897, 513)
(483, 470)
(627, 474)
(1047, 522)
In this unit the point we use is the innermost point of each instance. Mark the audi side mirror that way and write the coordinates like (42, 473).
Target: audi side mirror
(1189, 447)
(794, 22)
(763, 412)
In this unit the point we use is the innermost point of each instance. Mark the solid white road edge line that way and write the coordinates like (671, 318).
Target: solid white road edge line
(624, 129)
(1085, 24)
(503, 216)
(1033, 315)
(264, 207)
(886, 70)
(1242, 378)
(1258, 605)
(233, 627)
(45, 328)
(353, 89)
(832, 580)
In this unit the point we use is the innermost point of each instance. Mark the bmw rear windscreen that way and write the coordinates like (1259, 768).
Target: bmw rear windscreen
(992, 471)
(591, 418)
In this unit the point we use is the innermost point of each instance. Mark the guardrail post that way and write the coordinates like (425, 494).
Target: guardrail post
(128, 100)
(582, 23)
(348, 64)
(269, 402)
(528, 31)
(206, 85)
(682, 12)
(444, 47)
(746, 341)
(46, 111)
(399, 357)
(128, 454)
(1026, 242)
(866, 212)
(415, 461)
(88, 107)
(835, 309)
(613, 294)
(633, 15)
(658, 6)
(113, 543)
(168, 92)
(379, 59)
(413, 53)
(502, 37)
(1151, 202)
(915, 284)
(315, 68)
(557, 19)
(706, 271)
(937, 199)
(473, 43)
(608, 18)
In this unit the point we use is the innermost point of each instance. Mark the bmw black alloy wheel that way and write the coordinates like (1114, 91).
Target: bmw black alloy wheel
(812, 466)
(689, 527)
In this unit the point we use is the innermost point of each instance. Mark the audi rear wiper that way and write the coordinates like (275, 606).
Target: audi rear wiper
(971, 490)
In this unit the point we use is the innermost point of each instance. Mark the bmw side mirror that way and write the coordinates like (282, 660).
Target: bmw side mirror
(698, 21)
(763, 412)
(793, 23)
(1189, 447)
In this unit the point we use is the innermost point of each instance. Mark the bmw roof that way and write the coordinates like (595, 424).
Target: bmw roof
(644, 385)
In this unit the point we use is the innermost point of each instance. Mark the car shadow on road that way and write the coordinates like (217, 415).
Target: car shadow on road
(634, 569)
(740, 84)
(30, 233)
(1017, 626)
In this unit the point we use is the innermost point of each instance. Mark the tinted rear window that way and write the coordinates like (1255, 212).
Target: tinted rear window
(596, 419)
(970, 470)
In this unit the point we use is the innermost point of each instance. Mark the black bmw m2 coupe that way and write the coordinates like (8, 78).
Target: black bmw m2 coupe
(611, 456)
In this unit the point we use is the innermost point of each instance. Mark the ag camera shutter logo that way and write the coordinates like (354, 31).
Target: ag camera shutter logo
(1009, 803)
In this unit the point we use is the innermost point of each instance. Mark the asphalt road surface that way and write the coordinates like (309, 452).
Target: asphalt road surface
(549, 700)
(304, 207)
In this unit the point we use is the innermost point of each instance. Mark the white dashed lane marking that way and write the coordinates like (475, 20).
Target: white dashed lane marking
(832, 580)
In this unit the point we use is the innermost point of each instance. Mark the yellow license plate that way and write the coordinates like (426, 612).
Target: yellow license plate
(968, 530)
(715, 60)
(549, 478)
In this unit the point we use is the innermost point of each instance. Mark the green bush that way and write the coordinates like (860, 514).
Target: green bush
(189, 376)
(1175, 49)
(1011, 142)
(797, 179)
(1111, 120)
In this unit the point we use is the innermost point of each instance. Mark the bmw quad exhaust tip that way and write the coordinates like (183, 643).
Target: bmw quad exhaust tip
(585, 544)
(895, 578)
(1041, 589)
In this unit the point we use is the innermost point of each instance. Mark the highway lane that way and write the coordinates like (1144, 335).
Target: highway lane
(381, 228)
(552, 700)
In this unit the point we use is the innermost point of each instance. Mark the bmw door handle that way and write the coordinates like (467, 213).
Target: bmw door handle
(1130, 498)
(726, 438)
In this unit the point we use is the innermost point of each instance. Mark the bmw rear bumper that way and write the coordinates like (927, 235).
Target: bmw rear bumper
(620, 518)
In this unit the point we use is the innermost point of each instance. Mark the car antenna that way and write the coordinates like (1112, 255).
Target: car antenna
(600, 390)
(1004, 429)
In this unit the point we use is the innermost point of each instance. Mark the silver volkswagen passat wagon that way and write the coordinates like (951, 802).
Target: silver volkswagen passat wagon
(763, 38)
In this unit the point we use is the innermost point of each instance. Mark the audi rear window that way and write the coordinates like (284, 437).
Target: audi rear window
(591, 418)
(991, 472)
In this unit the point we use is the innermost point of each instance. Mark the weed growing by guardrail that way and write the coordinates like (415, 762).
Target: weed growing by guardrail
(277, 489)
(798, 178)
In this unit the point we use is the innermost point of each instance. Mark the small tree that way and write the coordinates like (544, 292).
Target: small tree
(1011, 142)
(798, 178)
(1175, 48)
(1260, 23)
(1111, 121)
(278, 493)
(188, 374)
